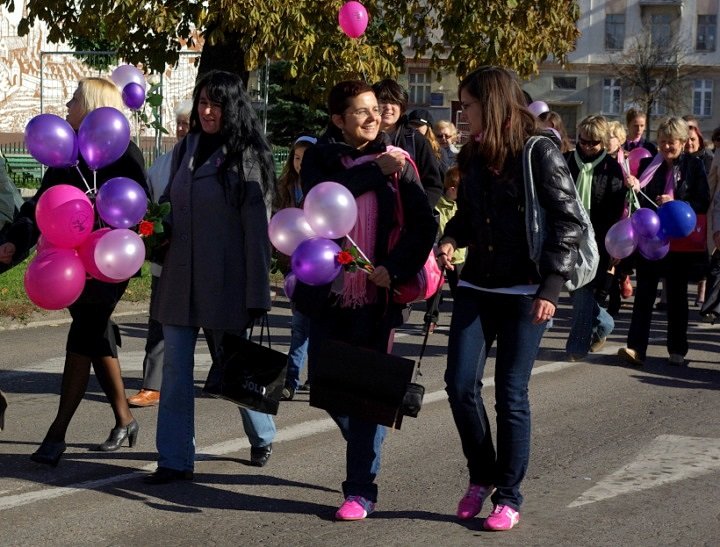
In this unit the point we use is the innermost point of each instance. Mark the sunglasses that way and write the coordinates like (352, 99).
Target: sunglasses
(586, 142)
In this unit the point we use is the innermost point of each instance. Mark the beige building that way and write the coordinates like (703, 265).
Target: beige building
(590, 83)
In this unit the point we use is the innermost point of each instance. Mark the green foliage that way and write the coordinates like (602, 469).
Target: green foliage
(97, 42)
(153, 103)
(517, 33)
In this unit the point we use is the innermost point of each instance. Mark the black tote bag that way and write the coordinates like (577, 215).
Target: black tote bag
(248, 373)
(362, 383)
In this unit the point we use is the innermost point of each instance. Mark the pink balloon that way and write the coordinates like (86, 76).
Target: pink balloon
(55, 279)
(64, 215)
(44, 245)
(330, 209)
(353, 19)
(288, 228)
(538, 107)
(119, 254)
(86, 252)
(621, 240)
(634, 157)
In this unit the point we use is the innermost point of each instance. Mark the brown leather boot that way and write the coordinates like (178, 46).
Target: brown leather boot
(144, 397)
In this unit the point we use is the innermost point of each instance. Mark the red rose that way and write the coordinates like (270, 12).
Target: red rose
(344, 258)
(146, 228)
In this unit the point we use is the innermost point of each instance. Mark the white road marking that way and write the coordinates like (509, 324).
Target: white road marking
(668, 458)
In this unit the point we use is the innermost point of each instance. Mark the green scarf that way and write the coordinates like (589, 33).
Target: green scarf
(584, 180)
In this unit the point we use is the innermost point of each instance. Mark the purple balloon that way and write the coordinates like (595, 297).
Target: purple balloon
(121, 202)
(133, 95)
(621, 240)
(645, 222)
(314, 262)
(103, 137)
(330, 210)
(653, 248)
(119, 254)
(289, 285)
(125, 74)
(51, 141)
(288, 228)
(538, 107)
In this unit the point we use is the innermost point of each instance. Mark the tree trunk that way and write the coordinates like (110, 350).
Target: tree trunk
(226, 55)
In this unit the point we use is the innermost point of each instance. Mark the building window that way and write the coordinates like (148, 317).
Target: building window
(702, 97)
(706, 29)
(419, 87)
(615, 31)
(564, 82)
(612, 96)
(661, 29)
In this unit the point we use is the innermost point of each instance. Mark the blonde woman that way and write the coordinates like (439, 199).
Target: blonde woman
(93, 338)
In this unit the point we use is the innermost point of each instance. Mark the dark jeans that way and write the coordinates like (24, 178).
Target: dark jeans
(675, 269)
(479, 318)
(364, 327)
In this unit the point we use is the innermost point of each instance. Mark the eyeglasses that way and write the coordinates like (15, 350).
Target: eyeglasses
(465, 106)
(365, 112)
(443, 136)
(586, 142)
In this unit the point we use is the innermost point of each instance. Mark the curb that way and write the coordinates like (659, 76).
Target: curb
(63, 318)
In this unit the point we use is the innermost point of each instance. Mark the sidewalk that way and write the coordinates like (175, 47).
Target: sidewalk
(59, 317)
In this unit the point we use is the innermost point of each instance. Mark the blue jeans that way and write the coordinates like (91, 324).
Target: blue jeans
(479, 318)
(175, 436)
(588, 319)
(363, 327)
(300, 328)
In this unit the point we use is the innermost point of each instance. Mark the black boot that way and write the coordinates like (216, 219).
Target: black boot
(49, 453)
(118, 435)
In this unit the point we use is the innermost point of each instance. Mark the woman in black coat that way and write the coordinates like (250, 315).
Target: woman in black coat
(358, 309)
(679, 176)
(93, 337)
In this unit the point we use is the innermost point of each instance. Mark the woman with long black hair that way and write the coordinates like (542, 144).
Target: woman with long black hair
(216, 271)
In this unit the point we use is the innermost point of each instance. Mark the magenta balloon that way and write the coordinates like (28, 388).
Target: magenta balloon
(64, 215)
(621, 240)
(353, 19)
(645, 222)
(314, 262)
(289, 285)
(103, 137)
(121, 202)
(44, 245)
(86, 253)
(55, 279)
(119, 254)
(634, 157)
(538, 107)
(126, 74)
(51, 141)
(288, 228)
(330, 209)
(133, 95)
(653, 248)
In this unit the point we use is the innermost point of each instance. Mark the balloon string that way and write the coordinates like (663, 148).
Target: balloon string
(83, 179)
(362, 254)
(95, 182)
(643, 194)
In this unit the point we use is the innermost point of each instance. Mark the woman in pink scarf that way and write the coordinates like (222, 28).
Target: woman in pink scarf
(358, 308)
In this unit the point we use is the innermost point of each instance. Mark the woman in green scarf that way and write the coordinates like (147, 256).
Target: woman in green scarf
(601, 188)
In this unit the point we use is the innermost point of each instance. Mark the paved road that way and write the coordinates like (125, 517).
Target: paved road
(620, 456)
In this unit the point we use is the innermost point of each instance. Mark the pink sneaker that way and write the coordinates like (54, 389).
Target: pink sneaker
(502, 518)
(355, 508)
(471, 503)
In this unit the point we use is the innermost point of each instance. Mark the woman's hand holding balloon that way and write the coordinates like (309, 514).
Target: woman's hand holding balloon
(633, 183)
(391, 162)
(7, 251)
(380, 276)
(663, 198)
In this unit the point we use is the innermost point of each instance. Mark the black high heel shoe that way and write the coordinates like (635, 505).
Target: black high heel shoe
(118, 435)
(49, 453)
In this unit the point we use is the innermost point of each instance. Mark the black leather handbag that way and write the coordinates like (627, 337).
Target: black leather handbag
(364, 383)
(248, 373)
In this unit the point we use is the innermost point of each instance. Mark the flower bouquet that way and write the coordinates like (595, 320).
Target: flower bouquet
(353, 259)
(151, 227)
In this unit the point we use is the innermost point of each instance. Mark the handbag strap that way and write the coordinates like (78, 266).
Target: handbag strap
(264, 324)
(434, 304)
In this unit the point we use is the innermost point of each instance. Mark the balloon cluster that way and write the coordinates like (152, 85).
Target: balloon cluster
(329, 212)
(353, 19)
(650, 232)
(131, 82)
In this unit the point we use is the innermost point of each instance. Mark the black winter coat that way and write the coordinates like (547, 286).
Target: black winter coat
(490, 221)
(691, 182)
